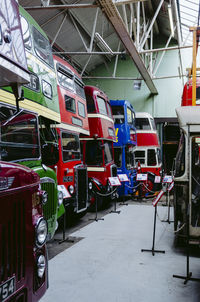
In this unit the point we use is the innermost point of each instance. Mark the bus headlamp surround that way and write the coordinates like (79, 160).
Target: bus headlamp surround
(44, 197)
(41, 232)
(90, 185)
(71, 189)
(41, 265)
(60, 198)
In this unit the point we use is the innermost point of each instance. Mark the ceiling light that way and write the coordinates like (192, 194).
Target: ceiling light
(103, 43)
(171, 19)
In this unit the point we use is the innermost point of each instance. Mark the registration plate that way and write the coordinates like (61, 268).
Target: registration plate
(7, 289)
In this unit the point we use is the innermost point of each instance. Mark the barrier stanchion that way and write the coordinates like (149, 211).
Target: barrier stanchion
(188, 276)
(114, 182)
(152, 250)
(123, 179)
(168, 189)
(66, 195)
(96, 210)
(65, 239)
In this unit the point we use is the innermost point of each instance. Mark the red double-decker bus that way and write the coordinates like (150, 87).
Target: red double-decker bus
(187, 93)
(147, 152)
(97, 148)
(71, 172)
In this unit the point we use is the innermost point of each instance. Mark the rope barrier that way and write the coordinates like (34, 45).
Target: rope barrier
(133, 187)
(105, 195)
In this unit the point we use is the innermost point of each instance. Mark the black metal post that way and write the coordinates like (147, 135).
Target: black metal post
(64, 239)
(154, 231)
(115, 204)
(96, 203)
(168, 205)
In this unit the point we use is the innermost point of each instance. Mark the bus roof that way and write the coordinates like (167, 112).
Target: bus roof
(143, 114)
(66, 65)
(121, 103)
(188, 115)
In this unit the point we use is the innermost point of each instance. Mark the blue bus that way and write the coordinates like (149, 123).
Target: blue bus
(126, 141)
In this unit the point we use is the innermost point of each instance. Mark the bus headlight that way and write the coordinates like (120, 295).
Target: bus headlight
(41, 265)
(71, 189)
(90, 185)
(60, 198)
(41, 232)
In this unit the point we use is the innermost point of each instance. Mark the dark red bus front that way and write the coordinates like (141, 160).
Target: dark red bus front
(23, 230)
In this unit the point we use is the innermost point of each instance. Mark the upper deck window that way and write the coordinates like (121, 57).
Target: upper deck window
(118, 114)
(65, 78)
(90, 104)
(26, 33)
(109, 110)
(101, 105)
(129, 116)
(19, 135)
(81, 109)
(42, 47)
(142, 123)
(153, 124)
(79, 88)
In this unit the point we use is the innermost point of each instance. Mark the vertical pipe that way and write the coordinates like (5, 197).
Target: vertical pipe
(194, 67)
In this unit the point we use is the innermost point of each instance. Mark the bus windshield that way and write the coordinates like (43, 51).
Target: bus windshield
(108, 152)
(19, 135)
(142, 123)
(70, 146)
(118, 114)
(94, 153)
(118, 156)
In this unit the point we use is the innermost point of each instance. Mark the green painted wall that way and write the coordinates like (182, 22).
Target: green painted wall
(169, 90)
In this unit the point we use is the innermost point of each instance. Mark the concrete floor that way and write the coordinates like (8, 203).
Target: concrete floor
(108, 265)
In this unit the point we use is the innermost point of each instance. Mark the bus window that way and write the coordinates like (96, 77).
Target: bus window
(81, 109)
(26, 33)
(65, 78)
(129, 156)
(195, 170)
(118, 156)
(153, 124)
(42, 47)
(79, 88)
(108, 155)
(109, 110)
(129, 116)
(101, 105)
(19, 135)
(180, 157)
(142, 123)
(151, 157)
(90, 104)
(70, 104)
(159, 156)
(140, 156)
(118, 114)
(94, 153)
(70, 146)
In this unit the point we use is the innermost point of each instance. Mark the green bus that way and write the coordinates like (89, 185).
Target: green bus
(32, 123)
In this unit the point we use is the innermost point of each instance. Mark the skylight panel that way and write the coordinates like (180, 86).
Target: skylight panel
(189, 11)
